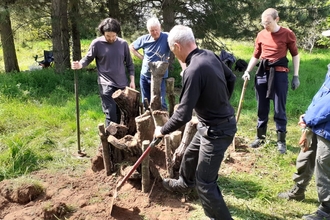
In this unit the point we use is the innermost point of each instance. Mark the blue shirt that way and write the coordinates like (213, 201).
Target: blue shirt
(153, 50)
(317, 115)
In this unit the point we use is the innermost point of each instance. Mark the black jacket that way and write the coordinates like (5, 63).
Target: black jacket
(207, 84)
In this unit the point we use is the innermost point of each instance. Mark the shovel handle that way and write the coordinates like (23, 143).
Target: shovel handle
(138, 162)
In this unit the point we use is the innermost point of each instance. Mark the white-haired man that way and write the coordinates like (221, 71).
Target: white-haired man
(155, 48)
(207, 86)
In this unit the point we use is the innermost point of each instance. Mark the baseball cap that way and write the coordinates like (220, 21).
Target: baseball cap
(326, 33)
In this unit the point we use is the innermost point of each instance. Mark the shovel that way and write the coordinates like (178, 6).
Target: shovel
(240, 106)
(137, 163)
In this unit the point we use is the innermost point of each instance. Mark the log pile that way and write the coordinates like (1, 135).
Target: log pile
(123, 143)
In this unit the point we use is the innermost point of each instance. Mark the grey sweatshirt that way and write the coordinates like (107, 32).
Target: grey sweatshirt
(112, 60)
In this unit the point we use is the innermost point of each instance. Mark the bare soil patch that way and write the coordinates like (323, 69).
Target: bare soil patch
(88, 195)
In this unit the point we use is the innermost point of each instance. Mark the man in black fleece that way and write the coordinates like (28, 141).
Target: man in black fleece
(207, 86)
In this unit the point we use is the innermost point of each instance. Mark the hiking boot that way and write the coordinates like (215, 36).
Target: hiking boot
(318, 215)
(260, 139)
(174, 185)
(281, 144)
(296, 193)
(257, 143)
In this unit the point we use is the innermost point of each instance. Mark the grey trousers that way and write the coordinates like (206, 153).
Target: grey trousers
(322, 171)
(305, 165)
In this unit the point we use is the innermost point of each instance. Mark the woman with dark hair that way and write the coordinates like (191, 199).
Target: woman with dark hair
(113, 59)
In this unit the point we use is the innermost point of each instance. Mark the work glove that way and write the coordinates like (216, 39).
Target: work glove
(295, 82)
(246, 75)
(306, 139)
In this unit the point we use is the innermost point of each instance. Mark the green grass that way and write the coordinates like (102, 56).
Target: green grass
(38, 131)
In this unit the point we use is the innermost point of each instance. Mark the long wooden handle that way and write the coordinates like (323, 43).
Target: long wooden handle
(241, 100)
(138, 162)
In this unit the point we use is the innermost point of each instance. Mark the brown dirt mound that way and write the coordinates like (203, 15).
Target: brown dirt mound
(87, 196)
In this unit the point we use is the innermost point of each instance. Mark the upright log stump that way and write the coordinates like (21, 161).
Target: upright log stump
(128, 100)
(158, 70)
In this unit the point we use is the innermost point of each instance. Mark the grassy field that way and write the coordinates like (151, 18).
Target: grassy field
(38, 130)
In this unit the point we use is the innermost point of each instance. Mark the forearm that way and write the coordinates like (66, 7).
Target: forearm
(135, 52)
(253, 62)
(296, 63)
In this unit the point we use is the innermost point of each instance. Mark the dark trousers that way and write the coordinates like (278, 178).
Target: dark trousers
(109, 107)
(281, 85)
(201, 163)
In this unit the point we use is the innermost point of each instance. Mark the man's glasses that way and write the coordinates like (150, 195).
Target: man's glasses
(266, 23)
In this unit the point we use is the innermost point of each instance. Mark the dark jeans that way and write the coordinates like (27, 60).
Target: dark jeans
(109, 107)
(145, 84)
(281, 85)
(201, 163)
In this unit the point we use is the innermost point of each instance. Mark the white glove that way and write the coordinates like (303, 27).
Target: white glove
(246, 75)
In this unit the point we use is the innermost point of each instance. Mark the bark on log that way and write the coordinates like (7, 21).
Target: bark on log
(168, 156)
(145, 182)
(127, 143)
(105, 150)
(145, 127)
(158, 70)
(128, 100)
(189, 132)
(170, 94)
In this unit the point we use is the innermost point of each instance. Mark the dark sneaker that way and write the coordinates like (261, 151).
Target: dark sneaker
(257, 143)
(174, 185)
(281, 147)
(296, 193)
(318, 215)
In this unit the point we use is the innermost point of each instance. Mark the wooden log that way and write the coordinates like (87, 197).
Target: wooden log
(175, 138)
(128, 100)
(117, 130)
(160, 117)
(189, 132)
(145, 127)
(145, 181)
(127, 143)
(168, 156)
(170, 95)
(158, 70)
(105, 149)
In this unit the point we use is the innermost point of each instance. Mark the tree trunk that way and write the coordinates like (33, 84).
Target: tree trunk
(65, 34)
(114, 11)
(60, 37)
(75, 32)
(7, 41)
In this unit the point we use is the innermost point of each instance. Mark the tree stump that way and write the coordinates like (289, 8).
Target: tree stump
(145, 169)
(170, 95)
(128, 100)
(145, 127)
(189, 132)
(168, 154)
(105, 150)
(158, 70)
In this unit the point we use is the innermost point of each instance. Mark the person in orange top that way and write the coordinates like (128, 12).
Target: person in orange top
(271, 80)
